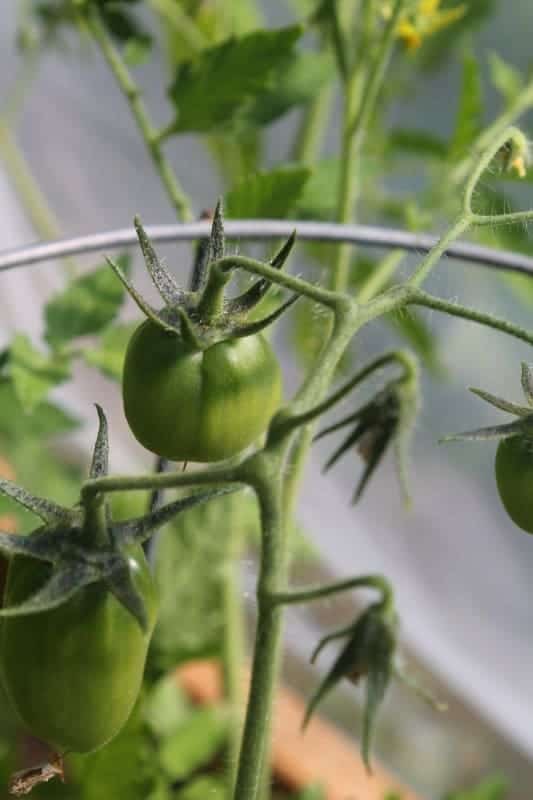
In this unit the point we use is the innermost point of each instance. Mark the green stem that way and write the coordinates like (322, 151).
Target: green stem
(331, 299)
(149, 133)
(158, 481)
(233, 650)
(267, 482)
(28, 191)
(420, 298)
(436, 253)
(296, 597)
(310, 134)
(285, 423)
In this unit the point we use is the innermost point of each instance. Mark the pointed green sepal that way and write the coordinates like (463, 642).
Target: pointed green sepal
(249, 299)
(251, 328)
(120, 583)
(486, 434)
(526, 377)
(165, 284)
(100, 459)
(217, 244)
(144, 306)
(62, 585)
(141, 528)
(47, 510)
(503, 405)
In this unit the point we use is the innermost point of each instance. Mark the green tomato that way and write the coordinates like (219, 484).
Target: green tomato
(198, 405)
(74, 673)
(514, 476)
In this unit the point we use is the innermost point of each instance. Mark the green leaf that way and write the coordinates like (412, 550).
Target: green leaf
(271, 194)
(109, 355)
(204, 788)
(315, 792)
(87, 305)
(504, 77)
(470, 112)
(417, 143)
(34, 374)
(125, 768)
(194, 744)
(46, 420)
(166, 707)
(189, 560)
(218, 86)
(137, 51)
(492, 788)
(294, 83)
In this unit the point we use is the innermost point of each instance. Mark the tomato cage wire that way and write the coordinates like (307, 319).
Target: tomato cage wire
(264, 229)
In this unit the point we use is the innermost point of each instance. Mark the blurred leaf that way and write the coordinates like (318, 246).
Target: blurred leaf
(442, 44)
(124, 768)
(295, 83)
(493, 788)
(189, 559)
(470, 112)
(137, 51)
(33, 373)
(194, 744)
(46, 420)
(311, 793)
(219, 85)
(109, 355)
(267, 194)
(166, 707)
(504, 77)
(87, 305)
(205, 788)
(417, 142)
(319, 196)
(415, 330)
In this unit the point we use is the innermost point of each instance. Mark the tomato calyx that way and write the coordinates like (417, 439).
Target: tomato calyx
(203, 316)
(521, 426)
(385, 420)
(83, 545)
(368, 654)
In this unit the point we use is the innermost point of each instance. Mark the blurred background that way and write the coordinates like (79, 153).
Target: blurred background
(461, 570)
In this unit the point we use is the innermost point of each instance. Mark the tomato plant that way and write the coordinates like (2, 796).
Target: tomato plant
(201, 380)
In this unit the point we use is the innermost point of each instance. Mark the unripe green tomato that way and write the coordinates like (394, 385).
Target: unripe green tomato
(74, 673)
(514, 476)
(198, 405)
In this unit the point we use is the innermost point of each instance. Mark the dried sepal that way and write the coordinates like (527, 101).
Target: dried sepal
(368, 654)
(23, 781)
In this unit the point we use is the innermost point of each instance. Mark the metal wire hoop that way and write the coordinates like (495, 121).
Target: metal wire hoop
(262, 229)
